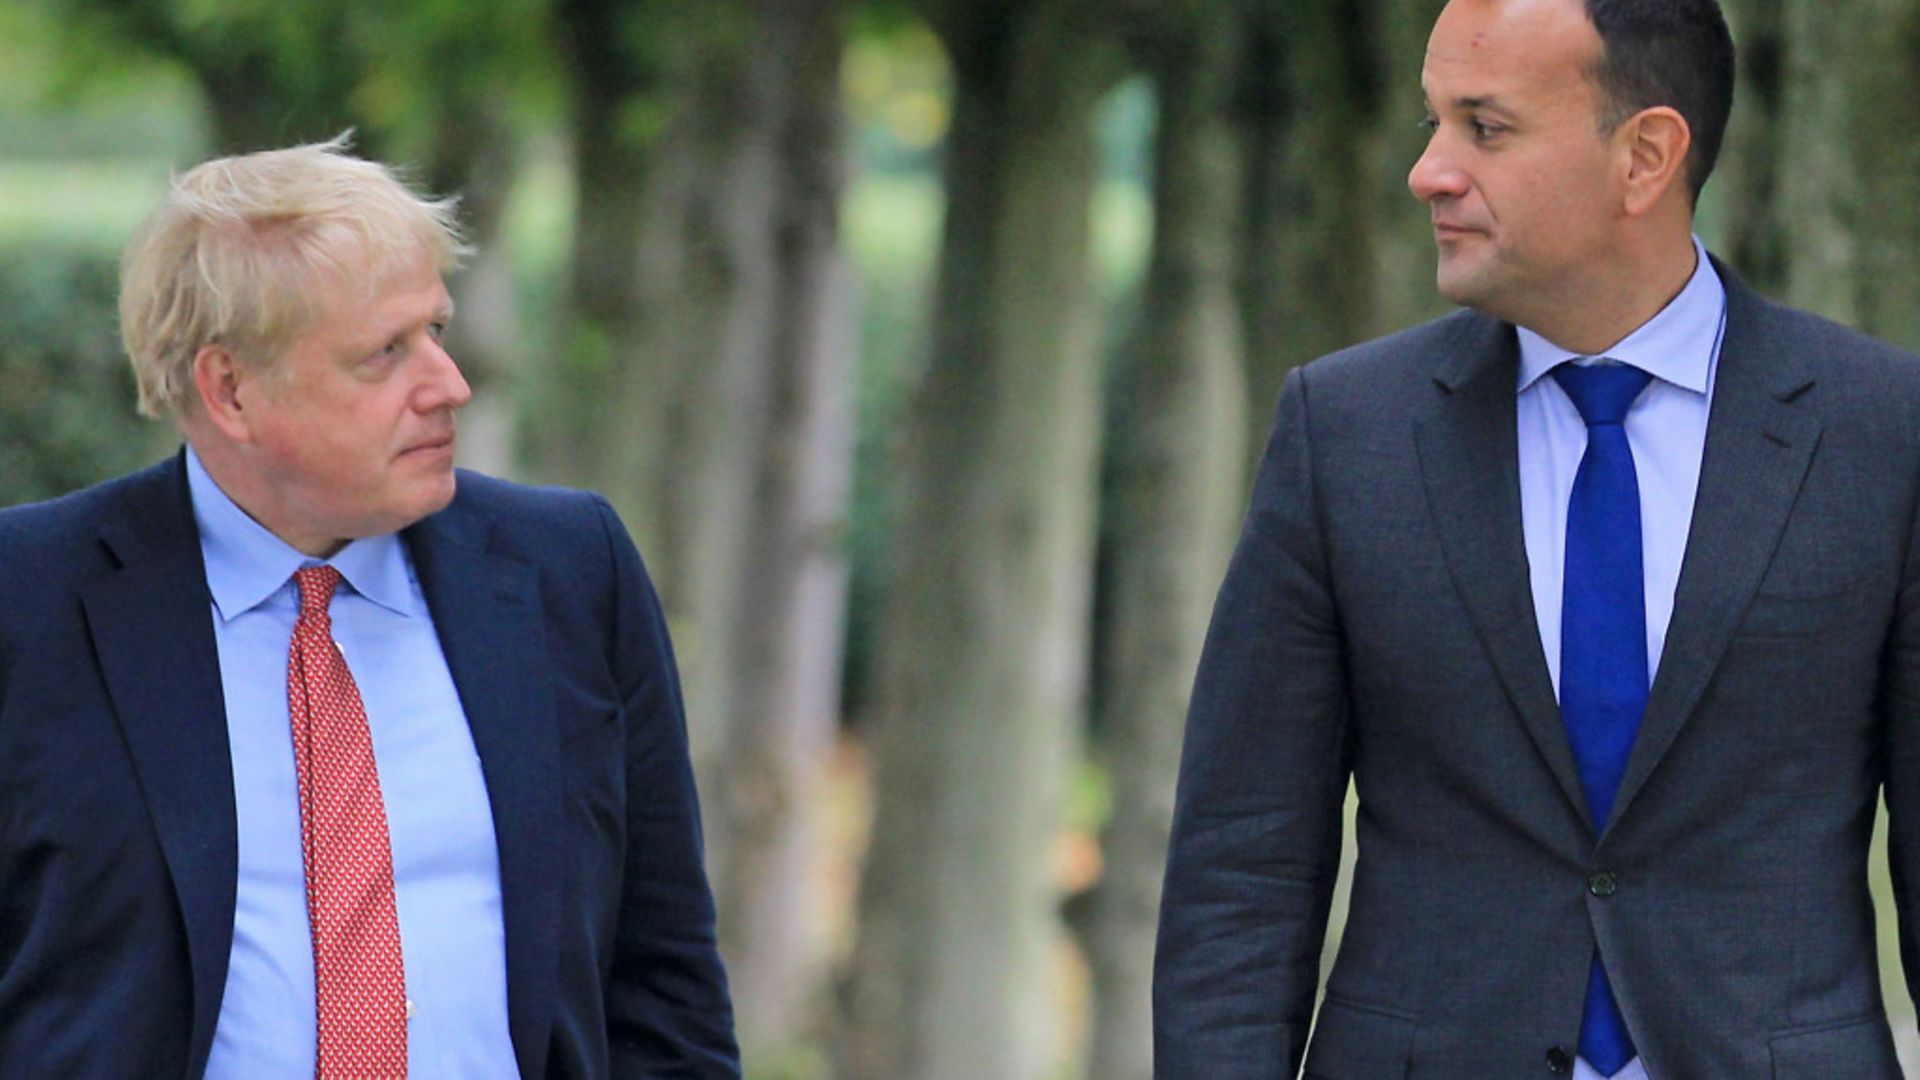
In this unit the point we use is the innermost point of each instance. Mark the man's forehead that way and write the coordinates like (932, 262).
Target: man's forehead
(1494, 53)
(359, 312)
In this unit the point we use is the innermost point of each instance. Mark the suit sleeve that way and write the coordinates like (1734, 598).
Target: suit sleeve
(1263, 775)
(1901, 720)
(668, 1011)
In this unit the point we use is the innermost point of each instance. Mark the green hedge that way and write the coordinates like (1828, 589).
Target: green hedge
(67, 414)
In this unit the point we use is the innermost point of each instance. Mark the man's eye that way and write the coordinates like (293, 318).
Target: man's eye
(1430, 123)
(436, 331)
(1483, 130)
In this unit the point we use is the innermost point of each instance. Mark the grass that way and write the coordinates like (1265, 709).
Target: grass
(90, 203)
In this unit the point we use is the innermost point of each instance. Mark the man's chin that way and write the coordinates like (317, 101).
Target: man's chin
(426, 500)
(1460, 284)
(442, 495)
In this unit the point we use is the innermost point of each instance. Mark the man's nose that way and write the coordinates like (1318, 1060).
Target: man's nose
(1434, 175)
(446, 387)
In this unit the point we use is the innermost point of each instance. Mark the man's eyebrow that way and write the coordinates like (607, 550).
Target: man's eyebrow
(1487, 102)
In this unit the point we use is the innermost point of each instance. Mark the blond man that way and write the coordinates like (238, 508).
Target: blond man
(321, 757)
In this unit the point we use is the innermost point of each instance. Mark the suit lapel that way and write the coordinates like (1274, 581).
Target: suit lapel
(487, 612)
(152, 627)
(1759, 444)
(1469, 459)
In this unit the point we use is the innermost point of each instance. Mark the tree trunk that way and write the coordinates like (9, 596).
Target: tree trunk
(1177, 489)
(710, 389)
(474, 153)
(571, 427)
(1311, 96)
(1885, 100)
(787, 624)
(982, 656)
(1740, 209)
(1820, 191)
(1847, 174)
(1404, 252)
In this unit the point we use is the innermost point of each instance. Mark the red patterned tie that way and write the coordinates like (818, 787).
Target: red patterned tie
(358, 977)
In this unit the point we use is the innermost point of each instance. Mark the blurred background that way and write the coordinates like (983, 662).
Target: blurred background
(926, 347)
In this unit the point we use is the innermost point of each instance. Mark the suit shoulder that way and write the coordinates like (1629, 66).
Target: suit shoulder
(538, 523)
(532, 504)
(1413, 354)
(68, 522)
(1861, 384)
(1389, 378)
(51, 550)
(1829, 343)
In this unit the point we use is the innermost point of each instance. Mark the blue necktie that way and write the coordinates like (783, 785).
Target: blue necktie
(1603, 638)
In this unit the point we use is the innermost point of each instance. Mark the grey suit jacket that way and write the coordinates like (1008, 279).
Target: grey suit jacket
(1377, 622)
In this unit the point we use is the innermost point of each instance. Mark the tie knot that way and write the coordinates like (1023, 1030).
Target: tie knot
(1602, 392)
(316, 585)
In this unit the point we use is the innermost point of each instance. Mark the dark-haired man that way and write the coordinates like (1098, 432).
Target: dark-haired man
(1604, 593)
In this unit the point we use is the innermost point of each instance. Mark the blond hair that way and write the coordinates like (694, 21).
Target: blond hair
(245, 249)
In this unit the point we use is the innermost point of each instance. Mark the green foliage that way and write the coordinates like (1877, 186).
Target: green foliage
(898, 87)
(63, 99)
(66, 394)
(90, 205)
(891, 228)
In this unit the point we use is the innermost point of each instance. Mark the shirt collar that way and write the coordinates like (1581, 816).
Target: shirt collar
(1676, 346)
(246, 563)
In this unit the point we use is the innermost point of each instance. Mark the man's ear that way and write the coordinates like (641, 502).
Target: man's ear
(217, 383)
(1657, 141)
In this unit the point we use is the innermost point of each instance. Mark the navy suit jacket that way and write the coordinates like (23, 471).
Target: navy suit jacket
(117, 831)
(1378, 623)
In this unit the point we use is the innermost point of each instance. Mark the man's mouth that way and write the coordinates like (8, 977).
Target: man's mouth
(430, 446)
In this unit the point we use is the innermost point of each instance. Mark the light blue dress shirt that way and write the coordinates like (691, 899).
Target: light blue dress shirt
(440, 823)
(1666, 428)
(1667, 431)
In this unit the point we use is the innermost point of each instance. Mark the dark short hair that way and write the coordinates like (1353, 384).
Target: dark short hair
(1676, 53)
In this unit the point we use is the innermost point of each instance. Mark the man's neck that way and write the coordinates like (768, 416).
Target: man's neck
(217, 457)
(1614, 305)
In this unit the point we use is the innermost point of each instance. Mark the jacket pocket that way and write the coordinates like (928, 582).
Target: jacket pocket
(1849, 1050)
(1805, 613)
(1358, 1042)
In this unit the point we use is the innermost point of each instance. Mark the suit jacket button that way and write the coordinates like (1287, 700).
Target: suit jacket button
(1559, 1061)
(1603, 883)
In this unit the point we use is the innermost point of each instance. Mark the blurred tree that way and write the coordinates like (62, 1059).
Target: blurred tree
(1402, 227)
(1883, 88)
(274, 74)
(707, 386)
(1749, 174)
(787, 620)
(1178, 422)
(1311, 105)
(574, 431)
(1819, 186)
(1836, 219)
(983, 649)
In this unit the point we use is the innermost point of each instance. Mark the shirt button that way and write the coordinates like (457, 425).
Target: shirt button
(409, 1008)
(1559, 1061)
(1603, 883)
